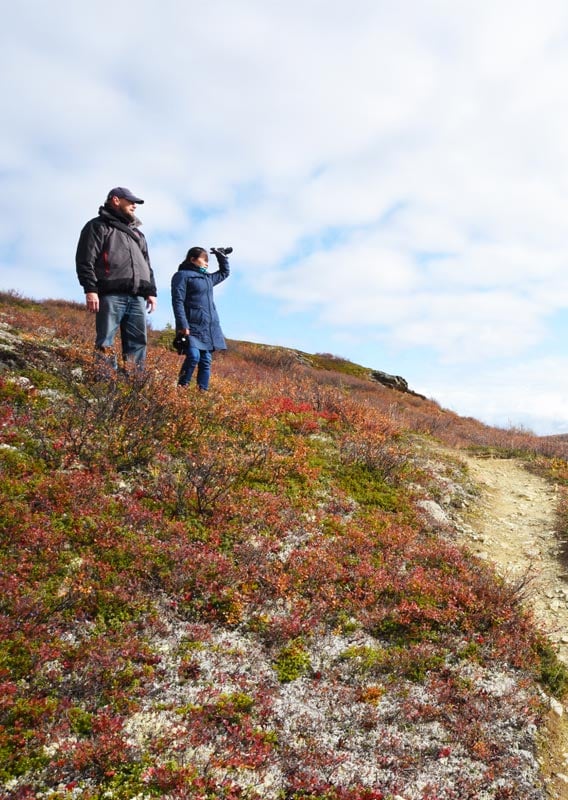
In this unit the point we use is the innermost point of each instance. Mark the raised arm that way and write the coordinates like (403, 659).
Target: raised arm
(223, 272)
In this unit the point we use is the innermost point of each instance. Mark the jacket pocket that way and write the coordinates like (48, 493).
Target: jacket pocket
(195, 316)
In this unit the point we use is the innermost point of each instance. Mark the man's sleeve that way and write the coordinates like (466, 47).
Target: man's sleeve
(89, 248)
(144, 248)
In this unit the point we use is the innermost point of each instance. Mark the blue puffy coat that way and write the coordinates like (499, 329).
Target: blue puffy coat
(192, 301)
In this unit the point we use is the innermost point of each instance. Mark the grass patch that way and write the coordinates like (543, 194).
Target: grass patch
(368, 488)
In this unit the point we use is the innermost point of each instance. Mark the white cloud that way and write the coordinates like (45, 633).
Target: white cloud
(397, 169)
(532, 394)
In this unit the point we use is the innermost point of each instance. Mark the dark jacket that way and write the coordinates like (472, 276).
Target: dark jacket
(112, 257)
(192, 301)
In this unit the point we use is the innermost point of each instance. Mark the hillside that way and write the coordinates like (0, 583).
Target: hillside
(247, 593)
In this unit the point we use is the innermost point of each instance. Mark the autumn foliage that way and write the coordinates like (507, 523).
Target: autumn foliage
(233, 594)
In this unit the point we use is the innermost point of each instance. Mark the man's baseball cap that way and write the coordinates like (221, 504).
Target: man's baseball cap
(120, 191)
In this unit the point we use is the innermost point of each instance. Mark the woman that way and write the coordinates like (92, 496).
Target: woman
(195, 313)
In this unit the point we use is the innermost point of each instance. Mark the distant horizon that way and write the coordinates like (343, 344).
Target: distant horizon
(507, 425)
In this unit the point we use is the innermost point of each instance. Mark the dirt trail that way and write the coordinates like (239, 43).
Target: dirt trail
(513, 526)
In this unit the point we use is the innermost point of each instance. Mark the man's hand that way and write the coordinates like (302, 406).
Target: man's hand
(151, 304)
(92, 300)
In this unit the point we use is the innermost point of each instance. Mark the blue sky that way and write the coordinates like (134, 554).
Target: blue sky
(393, 174)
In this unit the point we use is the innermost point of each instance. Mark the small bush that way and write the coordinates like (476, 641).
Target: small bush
(292, 662)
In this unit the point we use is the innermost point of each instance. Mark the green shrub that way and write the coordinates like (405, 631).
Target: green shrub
(80, 721)
(292, 662)
(553, 673)
(367, 487)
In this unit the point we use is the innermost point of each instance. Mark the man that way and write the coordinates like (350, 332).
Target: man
(114, 269)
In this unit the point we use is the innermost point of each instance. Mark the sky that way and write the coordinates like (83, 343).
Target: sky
(392, 175)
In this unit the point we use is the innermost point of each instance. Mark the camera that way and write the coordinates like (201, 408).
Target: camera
(222, 251)
(179, 344)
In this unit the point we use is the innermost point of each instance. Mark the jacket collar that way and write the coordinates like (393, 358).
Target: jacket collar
(111, 216)
(116, 222)
(189, 266)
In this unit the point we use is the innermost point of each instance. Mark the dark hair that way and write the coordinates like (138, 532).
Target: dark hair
(195, 252)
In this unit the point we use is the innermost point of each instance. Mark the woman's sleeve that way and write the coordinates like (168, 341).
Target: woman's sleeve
(178, 301)
(223, 271)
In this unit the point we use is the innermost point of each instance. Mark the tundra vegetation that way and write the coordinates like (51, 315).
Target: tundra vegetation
(234, 594)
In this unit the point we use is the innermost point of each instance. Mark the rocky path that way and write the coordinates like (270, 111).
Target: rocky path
(513, 526)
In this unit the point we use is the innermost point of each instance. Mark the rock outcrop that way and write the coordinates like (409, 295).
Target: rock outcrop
(393, 382)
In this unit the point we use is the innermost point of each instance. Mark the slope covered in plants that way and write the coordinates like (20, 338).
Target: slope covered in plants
(234, 594)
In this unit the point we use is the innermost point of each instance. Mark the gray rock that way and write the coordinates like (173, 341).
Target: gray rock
(393, 382)
(556, 707)
(434, 513)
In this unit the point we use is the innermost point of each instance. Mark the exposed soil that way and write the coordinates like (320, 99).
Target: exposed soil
(513, 526)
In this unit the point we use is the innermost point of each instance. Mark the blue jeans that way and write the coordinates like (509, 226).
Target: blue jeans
(200, 359)
(129, 314)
